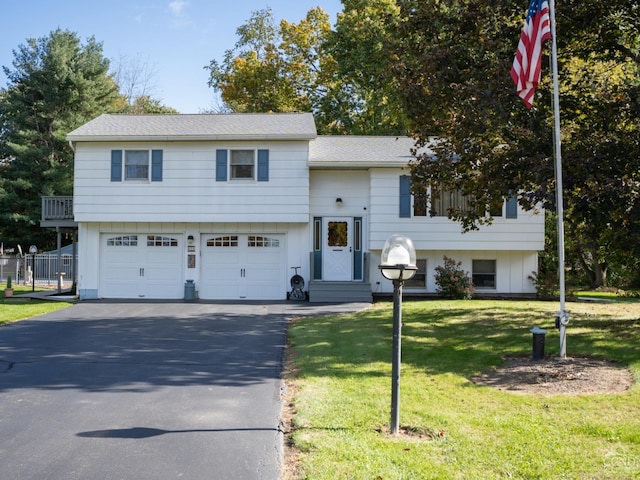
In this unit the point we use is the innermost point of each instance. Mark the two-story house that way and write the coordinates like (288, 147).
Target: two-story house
(234, 202)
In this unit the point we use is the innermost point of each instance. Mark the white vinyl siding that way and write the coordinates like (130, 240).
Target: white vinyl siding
(512, 269)
(352, 187)
(189, 191)
(526, 233)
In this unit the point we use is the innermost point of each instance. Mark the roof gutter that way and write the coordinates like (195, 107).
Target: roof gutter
(185, 138)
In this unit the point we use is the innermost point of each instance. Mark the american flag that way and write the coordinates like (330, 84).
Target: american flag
(525, 71)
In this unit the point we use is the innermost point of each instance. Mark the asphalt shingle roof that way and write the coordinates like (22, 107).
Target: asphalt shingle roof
(245, 126)
(343, 151)
(365, 151)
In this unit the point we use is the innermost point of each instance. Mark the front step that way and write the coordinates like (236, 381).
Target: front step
(339, 292)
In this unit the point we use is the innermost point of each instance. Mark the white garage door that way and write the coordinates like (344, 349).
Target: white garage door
(242, 267)
(141, 266)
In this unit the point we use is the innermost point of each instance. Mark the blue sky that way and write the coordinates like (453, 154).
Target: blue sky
(176, 37)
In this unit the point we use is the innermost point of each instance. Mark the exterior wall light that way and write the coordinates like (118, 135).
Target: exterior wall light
(398, 263)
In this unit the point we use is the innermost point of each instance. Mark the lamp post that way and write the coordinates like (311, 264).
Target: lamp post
(397, 263)
(33, 250)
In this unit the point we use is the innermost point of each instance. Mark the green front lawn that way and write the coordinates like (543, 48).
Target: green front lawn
(462, 431)
(11, 311)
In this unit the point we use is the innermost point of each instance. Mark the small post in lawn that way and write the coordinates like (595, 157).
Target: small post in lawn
(397, 263)
(33, 250)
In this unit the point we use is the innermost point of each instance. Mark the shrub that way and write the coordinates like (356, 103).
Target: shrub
(547, 284)
(9, 281)
(452, 280)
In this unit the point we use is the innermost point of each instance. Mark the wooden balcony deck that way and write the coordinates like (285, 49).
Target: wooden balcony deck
(57, 212)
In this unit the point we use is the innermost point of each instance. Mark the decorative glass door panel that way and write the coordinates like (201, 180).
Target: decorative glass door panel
(338, 249)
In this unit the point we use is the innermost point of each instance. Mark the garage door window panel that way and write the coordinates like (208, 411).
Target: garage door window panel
(225, 241)
(160, 241)
(263, 242)
(123, 241)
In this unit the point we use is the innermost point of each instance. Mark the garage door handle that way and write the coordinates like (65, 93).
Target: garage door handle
(142, 272)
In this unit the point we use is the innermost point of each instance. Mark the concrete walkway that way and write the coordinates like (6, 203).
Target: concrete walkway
(153, 390)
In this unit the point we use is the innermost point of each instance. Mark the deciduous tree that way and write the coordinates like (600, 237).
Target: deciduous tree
(256, 75)
(452, 61)
(342, 77)
(360, 46)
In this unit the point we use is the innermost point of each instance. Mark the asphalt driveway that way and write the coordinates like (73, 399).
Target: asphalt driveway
(117, 390)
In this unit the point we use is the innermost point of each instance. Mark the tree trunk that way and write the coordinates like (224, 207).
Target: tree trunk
(600, 271)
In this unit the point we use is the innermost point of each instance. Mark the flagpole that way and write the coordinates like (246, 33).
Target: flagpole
(563, 315)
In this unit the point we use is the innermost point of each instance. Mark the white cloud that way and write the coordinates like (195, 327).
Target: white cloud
(181, 19)
(177, 7)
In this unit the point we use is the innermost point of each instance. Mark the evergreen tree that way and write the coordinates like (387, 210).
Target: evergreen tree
(57, 83)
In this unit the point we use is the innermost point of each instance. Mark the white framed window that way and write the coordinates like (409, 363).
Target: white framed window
(419, 280)
(136, 164)
(484, 274)
(420, 204)
(495, 210)
(444, 200)
(242, 164)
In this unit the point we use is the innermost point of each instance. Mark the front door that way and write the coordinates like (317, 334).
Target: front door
(337, 254)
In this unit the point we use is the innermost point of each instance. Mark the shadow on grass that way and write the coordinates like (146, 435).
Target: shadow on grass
(463, 338)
